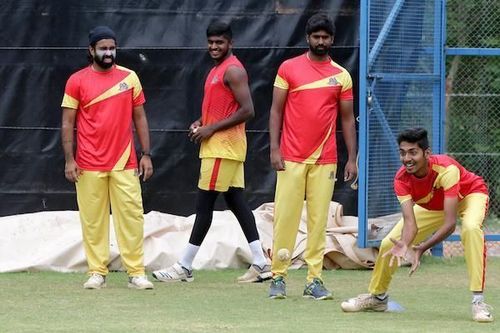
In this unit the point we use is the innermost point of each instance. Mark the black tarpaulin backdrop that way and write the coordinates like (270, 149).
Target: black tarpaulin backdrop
(43, 42)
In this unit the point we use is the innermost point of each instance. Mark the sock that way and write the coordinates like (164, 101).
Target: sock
(257, 254)
(477, 297)
(381, 297)
(188, 256)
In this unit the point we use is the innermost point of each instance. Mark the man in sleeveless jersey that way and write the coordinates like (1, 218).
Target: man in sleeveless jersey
(309, 92)
(227, 105)
(105, 100)
(433, 190)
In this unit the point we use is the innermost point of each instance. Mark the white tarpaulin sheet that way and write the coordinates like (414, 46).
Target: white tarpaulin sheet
(52, 241)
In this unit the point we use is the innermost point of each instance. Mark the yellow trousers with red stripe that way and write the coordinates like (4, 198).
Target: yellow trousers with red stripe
(315, 183)
(471, 211)
(96, 191)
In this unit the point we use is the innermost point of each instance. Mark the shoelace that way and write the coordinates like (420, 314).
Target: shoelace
(279, 282)
(316, 284)
(484, 307)
(97, 277)
(171, 272)
(367, 300)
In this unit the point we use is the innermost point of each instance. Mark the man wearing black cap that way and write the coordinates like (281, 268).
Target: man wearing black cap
(104, 100)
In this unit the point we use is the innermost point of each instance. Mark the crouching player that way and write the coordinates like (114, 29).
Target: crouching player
(433, 191)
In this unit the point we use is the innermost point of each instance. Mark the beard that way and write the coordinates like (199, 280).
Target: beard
(319, 50)
(100, 61)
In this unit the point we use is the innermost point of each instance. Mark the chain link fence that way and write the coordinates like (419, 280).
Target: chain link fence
(473, 102)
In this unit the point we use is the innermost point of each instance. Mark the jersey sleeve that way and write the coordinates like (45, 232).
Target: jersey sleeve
(138, 96)
(402, 191)
(346, 81)
(450, 181)
(281, 78)
(71, 97)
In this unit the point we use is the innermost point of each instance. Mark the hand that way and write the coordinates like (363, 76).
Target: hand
(193, 127)
(414, 258)
(398, 251)
(145, 167)
(72, 171)
(350, 171)
(277, 160)
(200, 133)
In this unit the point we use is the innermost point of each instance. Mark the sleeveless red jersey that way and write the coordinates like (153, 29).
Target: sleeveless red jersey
(219, 103)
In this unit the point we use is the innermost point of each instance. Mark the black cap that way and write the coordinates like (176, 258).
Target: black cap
(101, 32)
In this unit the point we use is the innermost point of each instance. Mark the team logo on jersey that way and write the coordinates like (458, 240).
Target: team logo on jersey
(332, 176)
(332, 81)
(123, 86)
(215, 80)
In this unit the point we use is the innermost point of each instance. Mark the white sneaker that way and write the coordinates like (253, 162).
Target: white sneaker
(364, 302)
(95, 281)
(139, 282)
(256, 274)
(481, 312)
(174, 273)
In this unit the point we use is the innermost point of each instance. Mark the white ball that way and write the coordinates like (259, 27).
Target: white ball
(283, 254)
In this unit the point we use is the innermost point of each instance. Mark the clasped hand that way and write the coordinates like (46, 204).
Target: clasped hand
(198, 133)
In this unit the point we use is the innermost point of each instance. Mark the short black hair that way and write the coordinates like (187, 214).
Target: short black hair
(416, 135)
(319, 22)
(219, 28)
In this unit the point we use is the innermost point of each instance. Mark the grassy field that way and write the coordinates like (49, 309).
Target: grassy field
(435, 299)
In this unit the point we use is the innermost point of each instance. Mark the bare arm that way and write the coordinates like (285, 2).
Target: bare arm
(275, 125)
(400, 248)
(71, 169)
(142, 129)
(349, 134)
(410, 224)
(237, 80)
(450, 214)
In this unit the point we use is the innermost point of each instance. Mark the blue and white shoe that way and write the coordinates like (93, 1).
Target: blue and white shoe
(174, 273)
(277, 290)
(316, 290)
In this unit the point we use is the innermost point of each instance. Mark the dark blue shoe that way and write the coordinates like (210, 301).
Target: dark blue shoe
(277, 290)
(316, 290)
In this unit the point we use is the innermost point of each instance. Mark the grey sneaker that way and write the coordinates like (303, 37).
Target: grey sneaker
(481, 312)
(316, 290)
(139, 282)
(95, 281)
(256, 274)
(174, 273)
(365, 302)
(277, 290)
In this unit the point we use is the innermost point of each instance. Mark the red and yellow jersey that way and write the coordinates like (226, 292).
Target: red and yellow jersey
(104, 102)
(310, 114)
(446, 178)
(219, 103)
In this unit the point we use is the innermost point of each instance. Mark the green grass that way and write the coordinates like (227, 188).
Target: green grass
(436, 299)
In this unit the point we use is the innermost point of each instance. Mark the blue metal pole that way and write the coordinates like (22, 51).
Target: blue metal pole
(489, 52)
(363, 124)
(439, 92)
